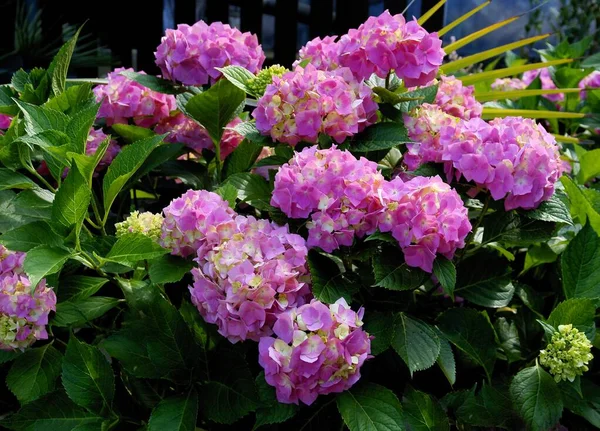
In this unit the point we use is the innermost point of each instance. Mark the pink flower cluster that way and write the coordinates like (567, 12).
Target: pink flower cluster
(124, 99)
(5, 121)
(251, 276)
(388, 43)
(512, 157)
(23, 315)
(303, 103)
(426, 216)
(332, 186)
(508, 84)
(95, 138)
(456, 99)
(323, 54)
(191, 54)
(547, 83)
(592, 81)
(196, 222)
(319, 349)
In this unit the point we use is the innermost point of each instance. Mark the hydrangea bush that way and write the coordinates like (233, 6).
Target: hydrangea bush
(371, 239)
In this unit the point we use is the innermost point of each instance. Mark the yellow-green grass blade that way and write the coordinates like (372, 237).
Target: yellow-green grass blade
(430, 12)
(481, 56)
(462, 19)
(489, 113)
(509, 71)
(476, 35)
(488, 96)
(565, 139)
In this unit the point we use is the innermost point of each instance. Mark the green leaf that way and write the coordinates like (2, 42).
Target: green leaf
(271, 411)
(252, 189)
(78, 129)
(231, 393)
(592, 61)
(168, 269)
(54, 412)
(445, 272)
(57, 71)
(416, 342)
(71, 203)
(242, 158)
(39, 119)
(216, 107)
(472, 333)
(229, 193)
(14, 180)
(42, 261)
(370, 407)
(552, 210)
(77, 312)
(133, 247)
(578, 312)
(328, 283)
(238, 76)
(538, 255)
(380, 326)
(7, 356)
(581, 206)
(249, 131)
(176, 413)
(381, 136)
(422, 95)
(508, 337)
(509, 229)
(530, 298)
(446, 361)
(124, 166)
(490, 407)
(391, 272)
(87, 376)
(423, 413)
(586, 406)
(536, 398)
(160, 155)
(29, 236)
(579, 263)
(72, 99)
(153, 82)
(79, 287)
(35, 373)
(488, 286)
(131, 133)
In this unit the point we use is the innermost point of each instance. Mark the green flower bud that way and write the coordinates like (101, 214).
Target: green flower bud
(567, 354)
(146, 223)
(259, 84)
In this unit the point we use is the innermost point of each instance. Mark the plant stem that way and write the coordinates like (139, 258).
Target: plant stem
(40, 178)
(484, 210)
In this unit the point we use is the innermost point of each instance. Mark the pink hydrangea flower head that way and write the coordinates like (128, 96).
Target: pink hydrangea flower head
(335, 188)
(230, 139)
(456, 99)
(243, 283)
(319, 350)
(547, 83)
(95, 138)
(192, 54)
(508, 84)
(388, 43)
(591, 81)
(514, 158)
(124, 99)
(23, 315)
(186, 131)
(5, 121)
(301, 104)
(195, 222)
(426, 216)
(323, 54)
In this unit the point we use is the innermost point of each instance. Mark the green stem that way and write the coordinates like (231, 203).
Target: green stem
(484, 210)
(40, 178)
(387, 80)
(218, 160)
(97, 213)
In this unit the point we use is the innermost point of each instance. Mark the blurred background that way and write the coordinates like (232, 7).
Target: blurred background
(127, 32)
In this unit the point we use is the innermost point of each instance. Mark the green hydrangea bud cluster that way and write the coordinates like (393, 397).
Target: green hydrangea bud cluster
(259, 84)
(567, 354)
(146, 223)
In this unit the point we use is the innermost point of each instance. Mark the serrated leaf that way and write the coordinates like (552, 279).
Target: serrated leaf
(72, 99)
(76, 312)
(249, 131)
(42, 261)
(131, 133)
(472, 333)
(87, 376)
(238, 76)
(391, 272)
(168, 269)
(580, 262)
(78, 128)
(124, 166)
(509, 229)
(39, 119)
(446, 361)
(328, 283)
(536, 398)
(552, 210)
(153, 82)
(242, 158)
(71, 203)
(380, 326)
(133, 247)
(57, 71)
(445, 272)
(271, 411)
(176, 413)
(416, 342)
(229, 193)
(13, 180)
(78, 287)
(422, 95)
(252, 189)
(381, 136)
(579, 312)
(35, 373)
(581, 205)
(508, 337)
(484, 286)
(370, 407)
(490, 407)
(423, 413)
(29, 236)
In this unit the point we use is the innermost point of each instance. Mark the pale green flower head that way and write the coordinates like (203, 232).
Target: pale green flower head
(567, 354)
(259, 84)
(146, 223)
